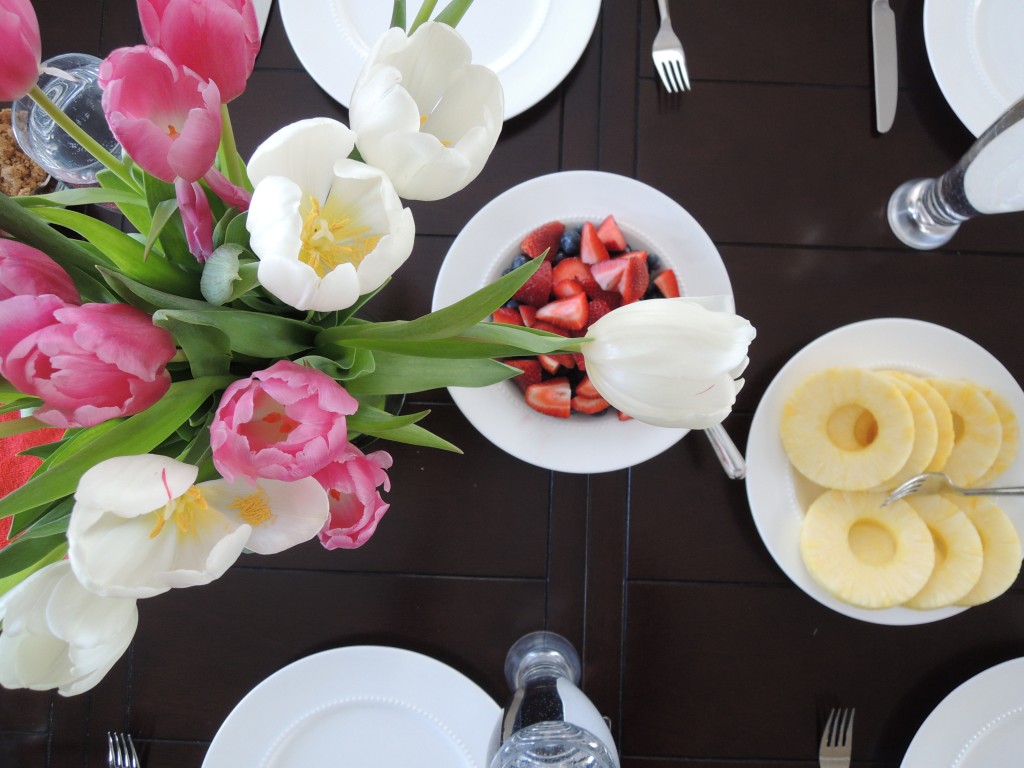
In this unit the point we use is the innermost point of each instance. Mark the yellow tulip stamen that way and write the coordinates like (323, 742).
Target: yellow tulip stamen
(173, 132)
(328, 242)
(184, 510)
(444, 142)
(254, 509)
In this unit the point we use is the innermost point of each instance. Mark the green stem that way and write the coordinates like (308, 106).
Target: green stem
(72, 129)
(453, 12)
(398, 14)
(425, 10)
(233, 167)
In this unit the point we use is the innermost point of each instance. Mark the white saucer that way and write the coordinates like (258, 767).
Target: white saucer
(486, 246)
(778, 494)
(976, 49)
(359, 706)
(978, 725)
(530, 44)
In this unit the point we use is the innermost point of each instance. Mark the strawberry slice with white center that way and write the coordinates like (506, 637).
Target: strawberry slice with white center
(634, 281)
(610, 234)
(588, 404)
(608, 274)
(592, 250)
(570, 313)
(572, 268)
(551, 397)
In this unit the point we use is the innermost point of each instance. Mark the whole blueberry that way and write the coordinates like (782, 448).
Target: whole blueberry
(571, 242)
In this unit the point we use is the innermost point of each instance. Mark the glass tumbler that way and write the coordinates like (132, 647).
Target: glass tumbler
(79, 97)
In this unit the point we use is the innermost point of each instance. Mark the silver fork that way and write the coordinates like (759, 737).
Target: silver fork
(939, 482)
(837, 740)
(668, 54)
(121, 751)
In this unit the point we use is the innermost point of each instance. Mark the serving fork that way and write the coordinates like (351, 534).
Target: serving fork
(939, 482)
(668, 54)
(837, 740)
(121, 751)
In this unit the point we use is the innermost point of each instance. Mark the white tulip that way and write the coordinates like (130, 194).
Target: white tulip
(326, 229)
(57, 634)
(669, 362)
(423, 113)
(139, 526)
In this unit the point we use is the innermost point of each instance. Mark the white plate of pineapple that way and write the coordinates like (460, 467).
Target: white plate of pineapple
(859, 410)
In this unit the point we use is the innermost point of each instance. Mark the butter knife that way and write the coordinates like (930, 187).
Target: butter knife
(883, 33)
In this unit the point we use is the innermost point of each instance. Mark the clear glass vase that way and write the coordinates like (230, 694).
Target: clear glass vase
(77, 93)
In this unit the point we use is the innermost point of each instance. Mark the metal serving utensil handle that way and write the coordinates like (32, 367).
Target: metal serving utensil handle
(728, 454)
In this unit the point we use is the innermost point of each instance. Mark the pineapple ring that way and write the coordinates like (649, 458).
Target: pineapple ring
(926, 435)
(820, 429)
(1011, 437)
(943, 417)
(959, 555)
(865, 554)
(979, 432)
(1000, 544)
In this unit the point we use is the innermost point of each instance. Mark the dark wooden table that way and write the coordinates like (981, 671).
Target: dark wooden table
(695, 644)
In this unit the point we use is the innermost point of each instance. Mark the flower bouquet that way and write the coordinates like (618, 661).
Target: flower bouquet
(210, 367)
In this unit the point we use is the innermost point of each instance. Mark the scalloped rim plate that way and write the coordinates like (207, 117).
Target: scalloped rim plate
(978, 725)
(359, 705)
(531, 45)
(649, 219)
(778, 494)
(976, 54)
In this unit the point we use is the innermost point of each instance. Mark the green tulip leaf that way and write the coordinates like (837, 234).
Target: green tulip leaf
(402, 374)
(250, 333)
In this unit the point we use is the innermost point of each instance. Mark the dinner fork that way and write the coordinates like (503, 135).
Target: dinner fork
(939, 482)
(728, 454)
(121, 751)
(668, 54)
(837, 740)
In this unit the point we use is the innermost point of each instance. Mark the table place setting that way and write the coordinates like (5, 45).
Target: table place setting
(390, 341)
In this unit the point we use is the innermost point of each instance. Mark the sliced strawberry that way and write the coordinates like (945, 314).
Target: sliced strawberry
(528, 314)
(551, 363)
(569, 313)
(543, 238)
(581, 361)
(624, 417)
(540, 325)
(551, 397)
(667, 284)
(598, 309)
(642, 255)
(586, 388)
(588, 404)
(612, 298)
(608, 274)
(508, 315)
(573, 268)
(537, 289)
(634, 281)
(531, 371)
(564, 288)
(610, 234)
(592, 250)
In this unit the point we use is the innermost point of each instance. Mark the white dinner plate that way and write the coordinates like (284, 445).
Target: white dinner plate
(978, 725)
(359, 706)
(778, 494)
(530, 44)
(650, 220)
(976, 51)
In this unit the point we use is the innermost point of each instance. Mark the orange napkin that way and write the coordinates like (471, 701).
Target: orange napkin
(15, 470)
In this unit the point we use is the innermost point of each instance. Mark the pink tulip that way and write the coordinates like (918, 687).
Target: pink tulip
(283, 423)
(20, 49)
(25, 271)
(87, 363)
(217, 39)
(196, 217)
(356, 507)
(166, 117)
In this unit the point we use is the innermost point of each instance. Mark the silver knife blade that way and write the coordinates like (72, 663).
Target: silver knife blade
(883, 33)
